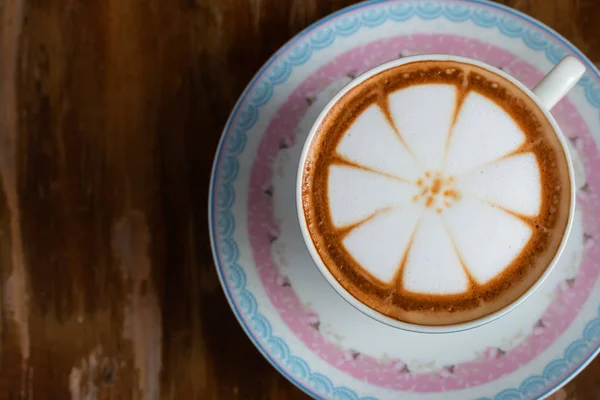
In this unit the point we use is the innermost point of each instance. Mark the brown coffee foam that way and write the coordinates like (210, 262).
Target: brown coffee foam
(391, 298)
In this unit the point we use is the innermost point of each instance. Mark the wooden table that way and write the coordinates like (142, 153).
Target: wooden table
(110, 112)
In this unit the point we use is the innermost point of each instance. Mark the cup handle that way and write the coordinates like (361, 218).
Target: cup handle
(557, 83)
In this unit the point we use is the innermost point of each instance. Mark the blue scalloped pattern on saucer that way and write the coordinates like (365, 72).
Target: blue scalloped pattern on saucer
(318, 37)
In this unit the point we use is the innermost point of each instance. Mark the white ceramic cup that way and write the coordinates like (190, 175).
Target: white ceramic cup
(546, 94)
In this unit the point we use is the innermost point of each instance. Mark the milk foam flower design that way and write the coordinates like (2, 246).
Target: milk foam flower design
(437, 184)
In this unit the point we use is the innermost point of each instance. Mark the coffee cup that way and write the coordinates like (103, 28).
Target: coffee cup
(435, 193)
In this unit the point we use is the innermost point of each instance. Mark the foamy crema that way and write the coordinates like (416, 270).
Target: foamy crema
(436, 192)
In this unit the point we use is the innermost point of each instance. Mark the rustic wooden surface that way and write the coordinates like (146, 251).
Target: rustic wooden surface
(110, 111)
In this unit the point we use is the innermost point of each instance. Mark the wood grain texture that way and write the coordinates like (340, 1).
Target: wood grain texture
(110, 112)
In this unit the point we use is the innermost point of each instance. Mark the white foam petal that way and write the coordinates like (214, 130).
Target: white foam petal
(371, 141)
(388, 235)
(423, 115)
(433, 270)
(488, 238)
(513, 183)
(483, 133)
(355, 194)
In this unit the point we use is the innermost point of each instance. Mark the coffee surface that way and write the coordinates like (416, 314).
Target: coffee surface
(436, 192)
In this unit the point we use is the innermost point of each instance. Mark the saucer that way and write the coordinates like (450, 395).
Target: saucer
(296, 320)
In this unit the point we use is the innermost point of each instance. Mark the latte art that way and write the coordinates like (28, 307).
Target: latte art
(436, 192)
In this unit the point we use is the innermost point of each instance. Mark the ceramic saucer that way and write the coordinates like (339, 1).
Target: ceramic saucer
(312, 336)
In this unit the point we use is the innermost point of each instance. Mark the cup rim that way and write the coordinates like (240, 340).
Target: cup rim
(374, 314)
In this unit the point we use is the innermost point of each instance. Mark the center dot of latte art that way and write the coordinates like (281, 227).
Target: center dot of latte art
(436, 191)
